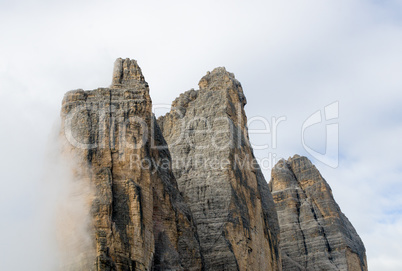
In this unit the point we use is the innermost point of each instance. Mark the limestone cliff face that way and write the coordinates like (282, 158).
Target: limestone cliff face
(140, 221)
(214, 166)
(184, 192)
(315, 234)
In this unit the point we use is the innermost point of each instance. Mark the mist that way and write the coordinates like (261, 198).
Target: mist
(57, 233)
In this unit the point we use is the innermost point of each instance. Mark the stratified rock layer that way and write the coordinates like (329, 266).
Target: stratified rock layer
(315, 234)
(140, 221)
(185, 192)
(214, 166)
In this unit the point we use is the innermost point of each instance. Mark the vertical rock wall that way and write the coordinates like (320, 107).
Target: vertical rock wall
(214, 166)
(140, 221)
(184, 192)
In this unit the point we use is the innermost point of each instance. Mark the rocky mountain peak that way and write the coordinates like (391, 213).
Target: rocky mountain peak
(126, 72)
(221, 79)
(139, 220)
(230, 201)
(201, 202)
(315, 234)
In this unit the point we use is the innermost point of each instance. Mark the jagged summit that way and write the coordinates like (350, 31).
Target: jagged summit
(139, 221)
(221, 79)
(201, 202)
(126, 72)
(232, 207)
(315, 234)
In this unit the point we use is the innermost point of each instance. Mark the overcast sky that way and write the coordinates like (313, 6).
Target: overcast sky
(292, 57)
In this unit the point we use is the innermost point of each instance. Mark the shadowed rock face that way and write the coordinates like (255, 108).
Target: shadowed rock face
(315, 234)
(140, 221)
(213, 164)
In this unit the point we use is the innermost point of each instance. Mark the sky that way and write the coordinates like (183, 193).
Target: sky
(293, 59)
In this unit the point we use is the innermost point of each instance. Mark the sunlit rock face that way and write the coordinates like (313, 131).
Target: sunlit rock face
(214, 166)
(140, 220)
(184, 192)
(315, 234)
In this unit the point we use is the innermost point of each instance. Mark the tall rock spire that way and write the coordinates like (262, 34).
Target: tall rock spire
(139, 220)
(214, 166)
(315, 234)
(185, 192)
